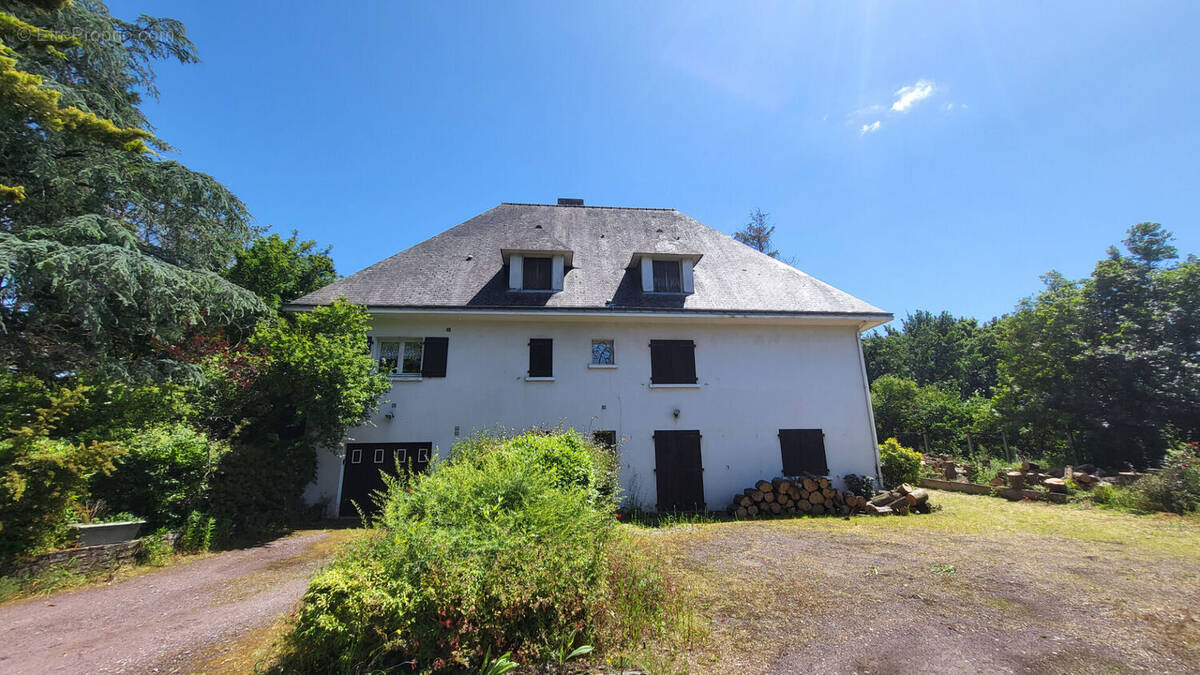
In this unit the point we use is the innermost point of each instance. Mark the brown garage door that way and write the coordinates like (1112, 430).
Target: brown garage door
(362, 466)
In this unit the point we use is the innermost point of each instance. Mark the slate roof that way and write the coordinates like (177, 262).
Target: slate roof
(463, 267)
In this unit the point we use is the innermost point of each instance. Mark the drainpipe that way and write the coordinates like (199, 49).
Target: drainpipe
(862, 367)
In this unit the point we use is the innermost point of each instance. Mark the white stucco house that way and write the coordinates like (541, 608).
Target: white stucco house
(709, 364)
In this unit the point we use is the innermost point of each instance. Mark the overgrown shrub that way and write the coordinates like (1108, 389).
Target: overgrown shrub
(499, 549)
(197, 535)
(898, 463)
(164, 476)
(40, 476)
(1176, 488)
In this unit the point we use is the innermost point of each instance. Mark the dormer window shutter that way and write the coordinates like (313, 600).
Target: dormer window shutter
(538, 274)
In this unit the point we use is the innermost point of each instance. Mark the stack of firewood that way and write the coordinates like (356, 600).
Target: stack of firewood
(902, 501)
(811, 495)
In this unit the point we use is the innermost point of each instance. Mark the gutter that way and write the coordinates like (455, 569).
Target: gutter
(866, 320)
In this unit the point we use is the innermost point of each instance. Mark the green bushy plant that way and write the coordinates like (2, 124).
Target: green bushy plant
(1176, 488)
(40, 476)
(898, 463)
(164, 475)
(499, 549)
(197, 534)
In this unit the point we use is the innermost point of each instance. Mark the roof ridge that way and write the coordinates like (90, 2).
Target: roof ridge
(589, 206)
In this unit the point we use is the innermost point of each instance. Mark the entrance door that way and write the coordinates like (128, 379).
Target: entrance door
(678, 471)
(363, 464)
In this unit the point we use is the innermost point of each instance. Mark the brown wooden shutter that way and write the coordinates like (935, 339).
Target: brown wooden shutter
(433, 364)
(672, 362)
(803, 451)
(537, 274)
(541, 357)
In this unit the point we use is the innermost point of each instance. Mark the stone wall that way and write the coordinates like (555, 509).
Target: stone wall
(85, 558)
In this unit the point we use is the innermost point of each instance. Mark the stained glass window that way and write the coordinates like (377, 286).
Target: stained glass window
(602, 353)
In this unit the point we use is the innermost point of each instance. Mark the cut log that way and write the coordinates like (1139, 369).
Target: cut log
(1016, 480)
(776, 508)
(879, 510)
(817, 509)
(809, 484)
(827, 493)
(752, 510)
(904, 488)
(744, 501)
(804, 506)
(881, 498)
(741, 513)
(997, 481)
(1055, 484)
(816, 498)
(918, 496)
(769, 497)
(794, 492)
(823, 483)
(764, 486)
(1085, 478)
(757, 496)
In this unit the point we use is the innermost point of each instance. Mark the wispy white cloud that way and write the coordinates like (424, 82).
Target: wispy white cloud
(907, 97)
(869, 128)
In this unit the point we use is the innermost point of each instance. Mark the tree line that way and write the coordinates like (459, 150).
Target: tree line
(144, 361)
(1104, 369)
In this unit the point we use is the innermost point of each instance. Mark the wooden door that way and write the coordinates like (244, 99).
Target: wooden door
(678, 471)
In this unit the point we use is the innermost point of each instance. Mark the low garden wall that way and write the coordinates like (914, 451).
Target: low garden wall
(1007, 493)
(85, 558)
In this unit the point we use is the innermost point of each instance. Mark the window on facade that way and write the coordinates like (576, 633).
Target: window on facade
(413, 356)
(803, 452)
(541, 357)
(606, 439)
(537, 274)
(672, 362)
(602, 353)
(667, 277)
(379, 455)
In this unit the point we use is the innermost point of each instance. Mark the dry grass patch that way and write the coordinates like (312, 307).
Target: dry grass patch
(982, 584)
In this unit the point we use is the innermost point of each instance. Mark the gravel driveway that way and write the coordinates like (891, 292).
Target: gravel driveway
(164, 620)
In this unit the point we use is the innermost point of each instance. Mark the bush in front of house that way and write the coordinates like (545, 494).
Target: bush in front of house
(1176, 488)
(898, 463)
(500, 549)
(164, 476)
(40, 476)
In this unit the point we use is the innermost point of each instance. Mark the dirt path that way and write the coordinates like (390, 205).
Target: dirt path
(984, 586)
(165, 620)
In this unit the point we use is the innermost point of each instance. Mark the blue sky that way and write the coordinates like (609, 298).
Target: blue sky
(918, 155)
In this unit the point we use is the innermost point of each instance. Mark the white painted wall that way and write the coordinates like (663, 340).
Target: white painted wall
(756, 376)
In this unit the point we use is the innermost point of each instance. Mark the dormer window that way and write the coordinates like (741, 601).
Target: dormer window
(538, 274)
(667, 276)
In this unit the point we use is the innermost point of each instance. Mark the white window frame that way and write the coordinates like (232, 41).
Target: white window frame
(402, 342)
(612, 348)
(356, 456)
(379, 455)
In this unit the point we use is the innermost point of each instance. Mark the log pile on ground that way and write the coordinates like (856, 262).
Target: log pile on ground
(902, 501)
(1085, 476)
(814, 495)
